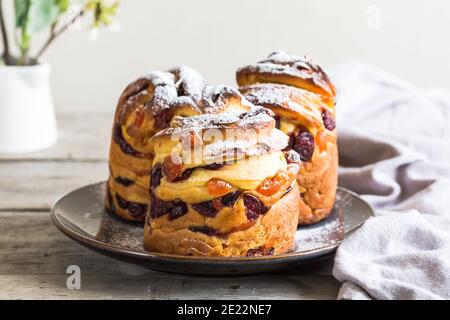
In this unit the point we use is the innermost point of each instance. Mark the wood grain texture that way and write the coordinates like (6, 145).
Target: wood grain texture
(30, 185)
(81, 136)
(34, 260)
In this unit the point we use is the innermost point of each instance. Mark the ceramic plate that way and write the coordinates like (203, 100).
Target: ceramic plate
(81, 216)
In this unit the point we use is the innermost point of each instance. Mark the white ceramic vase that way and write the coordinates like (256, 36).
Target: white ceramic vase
(27, 116)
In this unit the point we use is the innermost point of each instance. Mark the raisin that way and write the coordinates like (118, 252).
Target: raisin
(205, 230)
(137, 210)
(230, 199)
(121, 202)
(328, 120)
(185, 175)
(206, 209)
(214, 166)
(179, 209)
(159, 207)
(124, 181)
(254, 207)
(119, 139)
(261, 252)
(303, 143)
(156, 176)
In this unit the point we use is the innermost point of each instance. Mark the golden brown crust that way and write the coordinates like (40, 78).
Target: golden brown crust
(238, 197)
(283, 68)
(318, 179)
(303, 100)
(128, 202)
(148, 106)
(272, 234)
(221, 137)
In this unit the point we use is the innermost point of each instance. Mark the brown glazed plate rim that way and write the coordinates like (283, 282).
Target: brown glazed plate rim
(113, 250)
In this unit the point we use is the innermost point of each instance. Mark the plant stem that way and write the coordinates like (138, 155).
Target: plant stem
(6, 54)
(56, 33)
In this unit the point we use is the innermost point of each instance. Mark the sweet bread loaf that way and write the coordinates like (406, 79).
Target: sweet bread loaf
(221, 186)
(147, 106)
(303, 99)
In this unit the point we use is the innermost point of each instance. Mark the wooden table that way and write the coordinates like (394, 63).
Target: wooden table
(34, 255)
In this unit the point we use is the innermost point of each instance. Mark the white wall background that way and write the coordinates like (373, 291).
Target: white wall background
(218, 36)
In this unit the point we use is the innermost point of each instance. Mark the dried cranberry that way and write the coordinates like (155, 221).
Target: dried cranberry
(124, 181)
(254, 207)
(185, 175)
(119, 139)
(159, 207)
(261, 252)
(328, 120)
(179, 209)
(156, 176)
(303, 143)
(137, 210)
(230, 199)
(206, 208)
(205, 230)
(214, 166)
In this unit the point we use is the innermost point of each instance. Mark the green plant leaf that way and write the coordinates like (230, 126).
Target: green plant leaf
(22, 7)
(42, 14)
(63, 5)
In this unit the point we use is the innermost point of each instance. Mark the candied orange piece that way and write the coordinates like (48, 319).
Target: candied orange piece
(218, 188)
(172, 167)
(270, 186)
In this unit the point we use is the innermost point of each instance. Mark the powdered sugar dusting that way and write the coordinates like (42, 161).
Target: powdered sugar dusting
(238, 135)
(282, 63)
(302, 102)
(182, 87)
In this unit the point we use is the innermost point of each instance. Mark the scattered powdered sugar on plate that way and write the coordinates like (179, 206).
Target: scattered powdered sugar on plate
(329, 232)
(128, 235)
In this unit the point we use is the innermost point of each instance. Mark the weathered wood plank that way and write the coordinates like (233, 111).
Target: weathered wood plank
(37, 185)
(34, 257)
(81, 136)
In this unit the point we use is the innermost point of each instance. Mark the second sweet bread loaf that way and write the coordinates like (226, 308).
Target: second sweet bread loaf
(221, 186)
(146, 107)
(303, 100)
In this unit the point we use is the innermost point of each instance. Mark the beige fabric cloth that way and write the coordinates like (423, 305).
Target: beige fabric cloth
(395, 151)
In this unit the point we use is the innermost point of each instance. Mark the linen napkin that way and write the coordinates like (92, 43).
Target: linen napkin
(395, 151)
